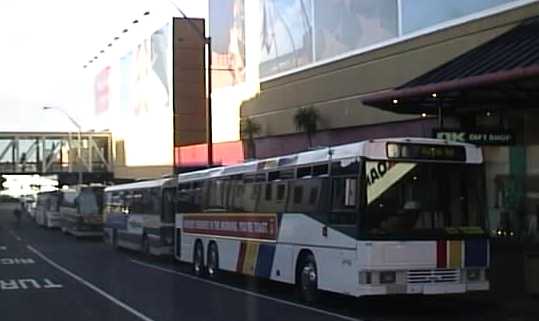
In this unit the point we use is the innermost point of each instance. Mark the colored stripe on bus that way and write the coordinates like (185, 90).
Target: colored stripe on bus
(476, 253)
(251, 254)
(266, 252)
(241, 257)
(441, 254)
(455, 254)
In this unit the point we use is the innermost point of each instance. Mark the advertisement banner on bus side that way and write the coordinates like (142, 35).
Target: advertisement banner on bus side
(258, 226)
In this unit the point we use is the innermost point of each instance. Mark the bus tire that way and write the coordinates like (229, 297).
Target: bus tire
(198, 259)
(145, 246)
(213, 260)
(307, 278)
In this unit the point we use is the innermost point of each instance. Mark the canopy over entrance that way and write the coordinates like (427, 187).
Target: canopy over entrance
(501, 73)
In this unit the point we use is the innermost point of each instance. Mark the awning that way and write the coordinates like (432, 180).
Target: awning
(502, 73)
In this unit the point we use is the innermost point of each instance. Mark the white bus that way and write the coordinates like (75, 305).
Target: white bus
(81, 210)
(140, 216)
(47, 209)
(384, 216)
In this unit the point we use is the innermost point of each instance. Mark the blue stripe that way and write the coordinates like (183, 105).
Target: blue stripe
(264, 261)
(117, 221)
(476, 253)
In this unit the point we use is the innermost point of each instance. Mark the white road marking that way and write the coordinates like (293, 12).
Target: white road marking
(18, 260)
(24, 284)
(3, 248)
(251, 293)
(90, 285)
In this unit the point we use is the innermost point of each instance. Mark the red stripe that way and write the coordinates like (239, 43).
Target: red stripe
(441, 254)
(241, 257)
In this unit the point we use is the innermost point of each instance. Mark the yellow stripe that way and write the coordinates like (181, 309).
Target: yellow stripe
(251, 254)
(455, 254)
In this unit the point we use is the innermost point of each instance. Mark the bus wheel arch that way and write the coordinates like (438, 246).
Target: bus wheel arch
(198, 258)
(307, 276)
(213, 259)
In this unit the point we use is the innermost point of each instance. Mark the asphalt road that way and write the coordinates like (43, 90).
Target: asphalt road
(46, 275)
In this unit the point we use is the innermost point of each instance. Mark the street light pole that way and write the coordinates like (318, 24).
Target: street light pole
(209, 130)
(79, 137)
(207, 42)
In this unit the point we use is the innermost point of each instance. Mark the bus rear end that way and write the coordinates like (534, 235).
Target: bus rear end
(423, 230)
(82, 212)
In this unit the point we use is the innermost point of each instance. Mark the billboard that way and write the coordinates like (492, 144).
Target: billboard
(133, 100)
(227, 31)
(102, 91)
(286, 35)
(189, 82)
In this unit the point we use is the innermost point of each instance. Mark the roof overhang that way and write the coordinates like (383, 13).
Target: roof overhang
(502, 73)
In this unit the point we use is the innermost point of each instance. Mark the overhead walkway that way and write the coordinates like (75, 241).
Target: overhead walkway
(67, 154)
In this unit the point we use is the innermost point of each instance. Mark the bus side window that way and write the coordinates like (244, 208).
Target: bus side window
(309, 195)
(197, 192)
(298, 194)
(344, 200)
(155, 202)
(215, 194)
(250, 197)
(235, 195)
(169, 206)
(344, 191)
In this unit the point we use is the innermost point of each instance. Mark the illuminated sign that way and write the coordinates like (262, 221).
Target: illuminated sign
(425, 152)
(478, 137)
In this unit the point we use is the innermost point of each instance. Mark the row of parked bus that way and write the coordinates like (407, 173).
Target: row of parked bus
(388, 216)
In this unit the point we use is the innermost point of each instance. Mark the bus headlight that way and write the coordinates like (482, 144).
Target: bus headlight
(388, 277)
(473, 274)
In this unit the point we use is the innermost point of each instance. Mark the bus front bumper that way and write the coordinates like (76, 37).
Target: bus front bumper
(426, 289)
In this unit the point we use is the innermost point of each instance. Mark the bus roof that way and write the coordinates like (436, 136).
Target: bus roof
(374, 149)
(139, 185)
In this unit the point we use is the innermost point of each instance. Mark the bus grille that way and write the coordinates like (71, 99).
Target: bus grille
(434, 276)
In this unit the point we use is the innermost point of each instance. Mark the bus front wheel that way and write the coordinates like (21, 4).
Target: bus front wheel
(198, 259)
(307, 279)
(213, 260)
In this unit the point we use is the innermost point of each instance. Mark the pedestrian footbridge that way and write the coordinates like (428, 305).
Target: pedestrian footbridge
(86, 155)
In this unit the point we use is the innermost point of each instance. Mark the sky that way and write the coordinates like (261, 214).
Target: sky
(45, 45)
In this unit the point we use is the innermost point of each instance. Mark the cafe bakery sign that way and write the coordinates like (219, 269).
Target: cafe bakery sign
(477, 137)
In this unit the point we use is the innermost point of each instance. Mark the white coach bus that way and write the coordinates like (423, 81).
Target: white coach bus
(385, 216)
(140, 216)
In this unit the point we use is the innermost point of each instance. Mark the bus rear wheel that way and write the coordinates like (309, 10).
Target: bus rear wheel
(198, 259)
(307, 279)
(213, 261)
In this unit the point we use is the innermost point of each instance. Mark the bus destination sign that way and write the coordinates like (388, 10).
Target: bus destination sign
(425, 152)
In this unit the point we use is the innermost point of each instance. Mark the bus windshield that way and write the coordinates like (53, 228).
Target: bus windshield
(419, 200)
(88, 203)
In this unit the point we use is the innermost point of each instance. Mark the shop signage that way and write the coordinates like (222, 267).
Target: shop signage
(478, 137)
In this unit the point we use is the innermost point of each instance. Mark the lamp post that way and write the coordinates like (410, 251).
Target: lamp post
(79, 136)
(207, 42)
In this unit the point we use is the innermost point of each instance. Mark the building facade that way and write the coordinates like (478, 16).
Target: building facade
(331, 56)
